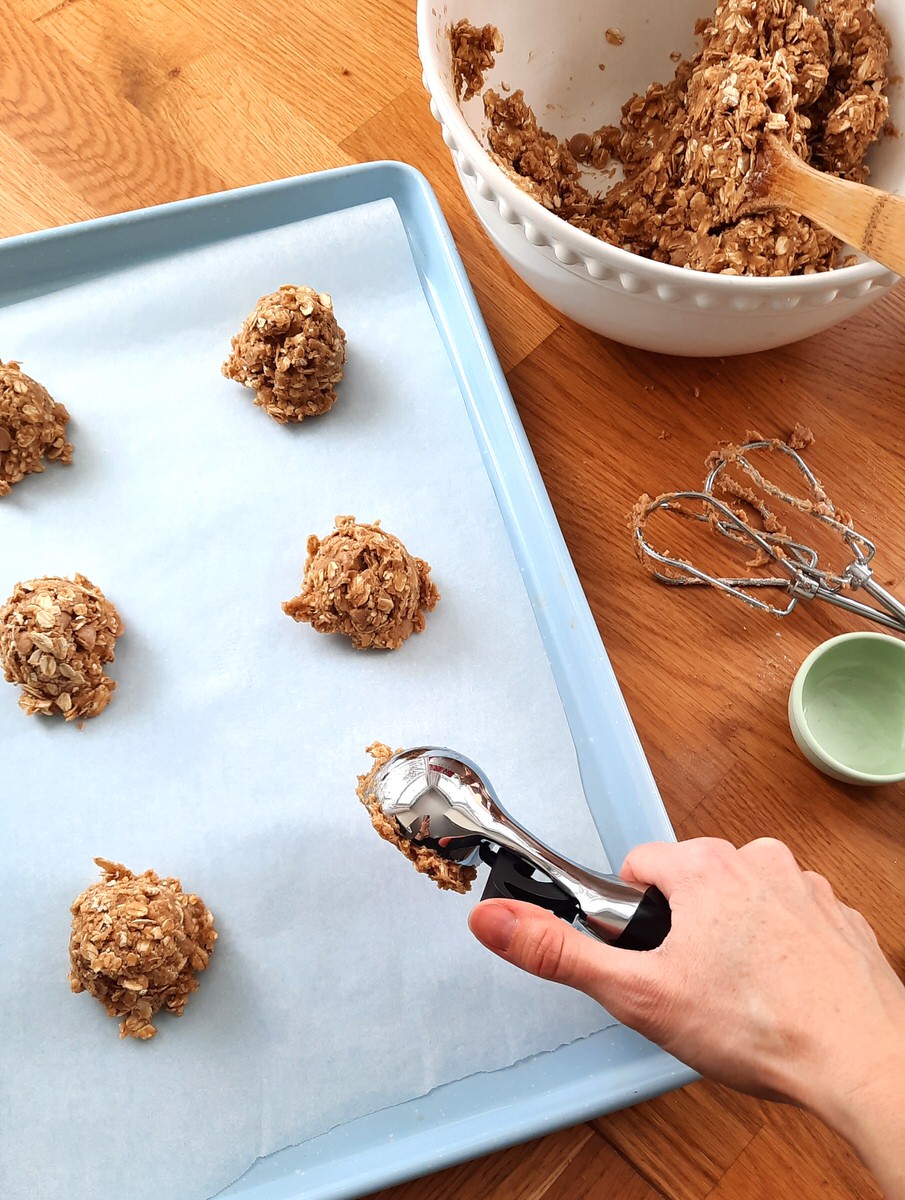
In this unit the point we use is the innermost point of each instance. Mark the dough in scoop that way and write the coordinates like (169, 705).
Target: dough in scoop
(447, 875)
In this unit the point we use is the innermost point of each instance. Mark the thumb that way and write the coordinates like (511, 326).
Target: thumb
(539, 942)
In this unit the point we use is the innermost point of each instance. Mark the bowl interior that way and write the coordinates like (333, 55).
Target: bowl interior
(576, 80)
(853, 704)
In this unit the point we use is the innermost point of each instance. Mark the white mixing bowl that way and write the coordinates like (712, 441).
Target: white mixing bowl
(553, 52)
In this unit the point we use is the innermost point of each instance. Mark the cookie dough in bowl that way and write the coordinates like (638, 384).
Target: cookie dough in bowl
(361, 581)
(576, 81)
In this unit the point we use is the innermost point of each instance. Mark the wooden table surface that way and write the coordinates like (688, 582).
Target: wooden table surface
(108, 105)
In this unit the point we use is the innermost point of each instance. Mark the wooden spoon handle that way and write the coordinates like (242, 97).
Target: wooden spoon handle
(865, 217)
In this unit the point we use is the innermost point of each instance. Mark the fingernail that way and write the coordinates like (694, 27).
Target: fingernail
(495, 926)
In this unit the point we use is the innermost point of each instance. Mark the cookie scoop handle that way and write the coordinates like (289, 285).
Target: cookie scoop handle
(648, 928)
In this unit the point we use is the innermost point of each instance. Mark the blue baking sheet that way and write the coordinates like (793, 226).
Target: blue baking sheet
(611, 1069)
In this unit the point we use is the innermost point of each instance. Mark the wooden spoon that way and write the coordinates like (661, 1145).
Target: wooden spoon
(862, 216)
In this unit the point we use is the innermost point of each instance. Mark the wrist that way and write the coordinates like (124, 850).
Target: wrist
(866, 1107)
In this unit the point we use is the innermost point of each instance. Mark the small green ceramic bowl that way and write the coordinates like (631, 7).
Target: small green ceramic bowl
(847, 708)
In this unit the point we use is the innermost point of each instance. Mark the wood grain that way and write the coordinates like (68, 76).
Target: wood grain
(107, 105)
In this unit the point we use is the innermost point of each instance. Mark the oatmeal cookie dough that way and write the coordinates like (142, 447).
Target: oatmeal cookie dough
(291, 352)
(448, 876)
(361, 581)
(474, 52)
(746, 494)
(55, 637)
(32, 427)
(816, 78)
(136, 943)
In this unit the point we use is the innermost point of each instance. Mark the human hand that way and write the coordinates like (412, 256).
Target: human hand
(766, 982)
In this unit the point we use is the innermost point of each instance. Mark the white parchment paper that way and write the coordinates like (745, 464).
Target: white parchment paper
(343, 982)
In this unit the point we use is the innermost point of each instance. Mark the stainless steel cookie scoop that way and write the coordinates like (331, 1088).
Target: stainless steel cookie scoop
(441, 799)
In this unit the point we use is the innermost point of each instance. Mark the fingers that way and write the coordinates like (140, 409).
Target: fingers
(668, 864)
(851, 923)
(821, 888)
(857, 920)
(542, 944)
(770, 852)
(860, 926)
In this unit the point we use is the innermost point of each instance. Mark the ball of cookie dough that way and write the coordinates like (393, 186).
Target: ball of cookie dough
(291, 351)
(137, 942)
(55, 637)
(361, 581)
(32, 427)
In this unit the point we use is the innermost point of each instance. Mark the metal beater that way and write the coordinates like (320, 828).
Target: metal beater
(442, 800)
(803, 576)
